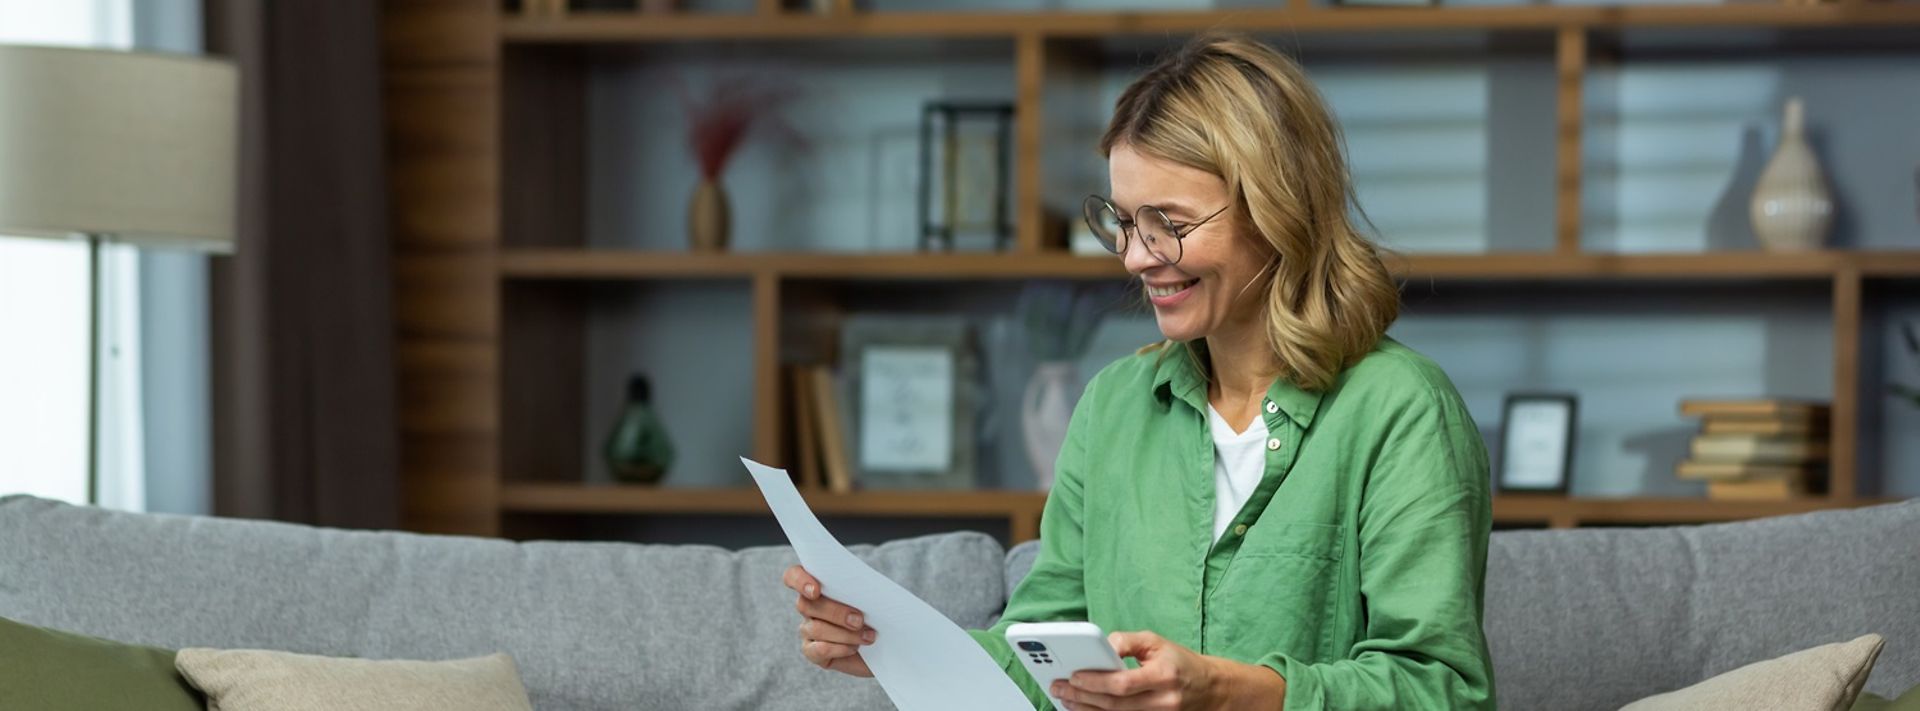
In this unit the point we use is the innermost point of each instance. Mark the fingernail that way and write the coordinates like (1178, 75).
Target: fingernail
(813, 591)
(853, 620)
(868, 636)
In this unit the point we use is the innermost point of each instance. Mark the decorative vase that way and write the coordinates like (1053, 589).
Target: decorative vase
(1045, 410)
(637, 450)
(707, 217)
(1791, 208)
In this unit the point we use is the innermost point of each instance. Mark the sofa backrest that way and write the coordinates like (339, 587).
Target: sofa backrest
(1596, 618)
(591, 625)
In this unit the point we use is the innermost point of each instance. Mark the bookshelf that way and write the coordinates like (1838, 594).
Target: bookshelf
(495, 276)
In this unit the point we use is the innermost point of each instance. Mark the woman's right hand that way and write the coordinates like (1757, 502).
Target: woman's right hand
(832, 633)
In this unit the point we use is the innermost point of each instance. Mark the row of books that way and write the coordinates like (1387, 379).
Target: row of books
(1761, 449)
(820, 432)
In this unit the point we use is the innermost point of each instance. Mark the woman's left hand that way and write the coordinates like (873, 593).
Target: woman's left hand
(1171, 678)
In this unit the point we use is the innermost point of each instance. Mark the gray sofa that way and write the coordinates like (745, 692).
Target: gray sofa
(1582, 619)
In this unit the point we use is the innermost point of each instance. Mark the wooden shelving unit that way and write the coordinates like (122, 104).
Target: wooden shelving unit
(606, 264)
(486, 168)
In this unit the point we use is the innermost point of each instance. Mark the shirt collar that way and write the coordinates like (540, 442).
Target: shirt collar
(1177, 376)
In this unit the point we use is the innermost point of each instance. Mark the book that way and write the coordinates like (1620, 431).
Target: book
(1802, 427)
(833, 441)
(800, 385)
(1758, 489)
(1740, 471)
(1755, 408)
(1757, 449)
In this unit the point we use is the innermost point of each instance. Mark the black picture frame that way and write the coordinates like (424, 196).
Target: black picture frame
(1507, 478)
(944, 221)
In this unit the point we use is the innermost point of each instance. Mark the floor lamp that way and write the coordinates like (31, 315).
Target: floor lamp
(117, 147)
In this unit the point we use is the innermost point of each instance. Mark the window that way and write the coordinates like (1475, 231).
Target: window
(44, 297)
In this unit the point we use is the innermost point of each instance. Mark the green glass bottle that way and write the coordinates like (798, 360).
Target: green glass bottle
(638, 451)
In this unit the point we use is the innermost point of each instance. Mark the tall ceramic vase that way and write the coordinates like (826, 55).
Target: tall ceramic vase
(1791, 207)
(1044, 412)
(707, 218)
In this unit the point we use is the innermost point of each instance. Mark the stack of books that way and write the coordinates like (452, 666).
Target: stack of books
(1768, 449)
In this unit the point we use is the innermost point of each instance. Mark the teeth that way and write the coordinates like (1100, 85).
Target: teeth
(1167, 290)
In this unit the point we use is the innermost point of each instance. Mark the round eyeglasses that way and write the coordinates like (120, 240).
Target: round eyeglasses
(1160, 233)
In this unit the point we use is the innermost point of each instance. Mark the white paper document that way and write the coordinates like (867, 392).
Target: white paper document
(923, 660)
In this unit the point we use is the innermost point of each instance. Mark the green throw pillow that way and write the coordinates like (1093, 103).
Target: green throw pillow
(48, 670)
(1909, 701)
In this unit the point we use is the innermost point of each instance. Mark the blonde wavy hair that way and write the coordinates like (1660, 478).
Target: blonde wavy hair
(1239, 109)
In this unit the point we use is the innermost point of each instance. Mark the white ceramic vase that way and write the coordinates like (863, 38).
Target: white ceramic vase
(1791, 207)
(1045, 410)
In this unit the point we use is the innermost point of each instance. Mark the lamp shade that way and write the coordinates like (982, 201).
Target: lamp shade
(138, 147)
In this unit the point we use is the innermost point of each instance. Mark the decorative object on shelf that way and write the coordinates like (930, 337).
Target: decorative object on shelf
(1060, 319)
(1769, 449)
(914, 391)
(638, 450)
(1791, 208)
(718, 123)
(1536, 442)
(966, 176)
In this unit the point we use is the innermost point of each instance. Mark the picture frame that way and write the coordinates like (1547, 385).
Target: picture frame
(1537, 435)
(966, 176)
(910, 384)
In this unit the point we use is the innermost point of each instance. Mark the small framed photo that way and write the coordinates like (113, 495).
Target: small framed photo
(1536, 442)
(913, 401)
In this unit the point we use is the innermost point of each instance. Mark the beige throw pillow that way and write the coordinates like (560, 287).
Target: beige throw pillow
(259, 680)
(1824, 678)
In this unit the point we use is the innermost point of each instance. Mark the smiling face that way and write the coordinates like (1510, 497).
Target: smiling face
(1206, 293)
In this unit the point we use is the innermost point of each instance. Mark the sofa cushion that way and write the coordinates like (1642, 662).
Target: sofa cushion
(591, 625)
(1824, 678)
(50, 670)
(1596, 618)
(265, 680)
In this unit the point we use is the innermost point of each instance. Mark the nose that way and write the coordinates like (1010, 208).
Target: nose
(1137, 258)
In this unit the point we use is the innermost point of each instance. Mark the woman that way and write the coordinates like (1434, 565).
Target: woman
(1279, 506)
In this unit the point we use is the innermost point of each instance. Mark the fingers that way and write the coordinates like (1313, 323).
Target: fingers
(1138, 645)
(816, 630)
(832, 611)
(798, 579)
(823, 654)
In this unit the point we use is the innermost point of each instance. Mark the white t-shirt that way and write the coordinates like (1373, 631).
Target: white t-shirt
(1239, 460)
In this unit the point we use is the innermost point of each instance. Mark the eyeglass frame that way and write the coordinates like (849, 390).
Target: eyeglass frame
(1130, 228)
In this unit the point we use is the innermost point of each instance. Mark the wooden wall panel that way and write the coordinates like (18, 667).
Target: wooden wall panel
(441, 95)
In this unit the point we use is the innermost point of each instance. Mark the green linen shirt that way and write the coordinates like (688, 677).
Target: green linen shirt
(1356, 571)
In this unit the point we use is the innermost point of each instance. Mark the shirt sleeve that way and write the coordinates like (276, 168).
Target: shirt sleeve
(1425, 516)
(1053, 591)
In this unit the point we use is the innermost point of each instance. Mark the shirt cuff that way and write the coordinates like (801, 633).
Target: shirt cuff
(1305, 691)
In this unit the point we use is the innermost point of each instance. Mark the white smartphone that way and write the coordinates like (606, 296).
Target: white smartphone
(1053, 651)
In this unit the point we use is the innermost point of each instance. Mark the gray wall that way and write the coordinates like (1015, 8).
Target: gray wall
(173, 323)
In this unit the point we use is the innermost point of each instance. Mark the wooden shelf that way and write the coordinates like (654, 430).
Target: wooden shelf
(619, 27)
(608, 264)
(1023, 507)
(1566, 512)
(616, 498)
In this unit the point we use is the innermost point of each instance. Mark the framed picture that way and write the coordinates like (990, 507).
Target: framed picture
(913, 395)
(966, 176)
(1536, 442)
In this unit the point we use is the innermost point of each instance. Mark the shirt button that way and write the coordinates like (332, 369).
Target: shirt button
(1272, 408)
(1273, 443)
(1240, 530)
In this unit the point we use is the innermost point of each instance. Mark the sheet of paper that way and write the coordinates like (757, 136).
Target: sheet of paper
(923, 660)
